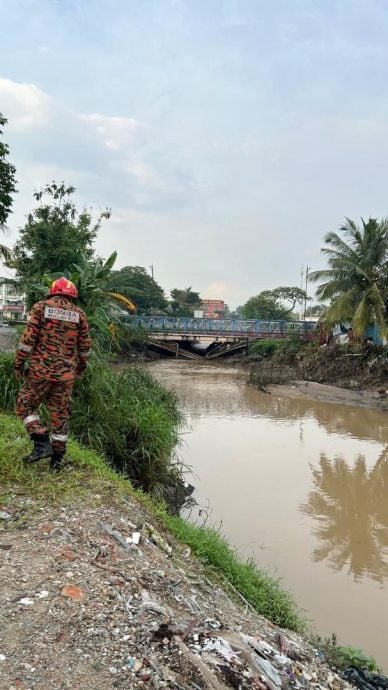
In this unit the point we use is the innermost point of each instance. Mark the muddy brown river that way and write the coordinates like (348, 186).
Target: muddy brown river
(299, 485)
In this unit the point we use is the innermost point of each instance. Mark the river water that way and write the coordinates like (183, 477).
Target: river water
(299, 485)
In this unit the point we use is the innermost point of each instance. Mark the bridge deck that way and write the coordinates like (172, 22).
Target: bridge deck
(214, 329)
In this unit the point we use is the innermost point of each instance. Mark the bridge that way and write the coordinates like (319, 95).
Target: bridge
(187, 337)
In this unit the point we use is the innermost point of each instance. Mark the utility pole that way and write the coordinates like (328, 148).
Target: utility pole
(152, 271)
(306, 284)
(301, 287)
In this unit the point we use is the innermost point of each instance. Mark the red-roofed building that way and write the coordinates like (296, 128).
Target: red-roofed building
(213, 308)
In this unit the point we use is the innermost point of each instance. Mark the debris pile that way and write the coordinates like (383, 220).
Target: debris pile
(97, 597)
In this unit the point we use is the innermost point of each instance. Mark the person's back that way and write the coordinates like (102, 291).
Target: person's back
(56, 343)
(61, 327)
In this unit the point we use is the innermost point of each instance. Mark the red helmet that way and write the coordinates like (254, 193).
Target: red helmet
(63, 286)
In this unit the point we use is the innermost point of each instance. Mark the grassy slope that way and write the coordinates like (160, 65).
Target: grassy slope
(91, 475)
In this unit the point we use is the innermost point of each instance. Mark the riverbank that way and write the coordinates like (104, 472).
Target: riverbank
(331, 394)
(352, 375)
(97, 593)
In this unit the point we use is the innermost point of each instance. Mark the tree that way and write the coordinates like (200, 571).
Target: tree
(135, 283)
(315, 310)
(184, 302)
(270, 304)
(55, 236)
(356, 282)
(7, 186)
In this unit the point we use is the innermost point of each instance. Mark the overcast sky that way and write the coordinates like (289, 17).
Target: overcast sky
(227, 136)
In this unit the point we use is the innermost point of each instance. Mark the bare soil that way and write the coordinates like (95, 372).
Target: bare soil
(84, 607)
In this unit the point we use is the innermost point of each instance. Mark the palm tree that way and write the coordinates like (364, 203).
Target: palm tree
(5, 254)
(356, 282)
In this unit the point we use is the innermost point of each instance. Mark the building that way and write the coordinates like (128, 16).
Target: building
(213, 308)
(13, 304)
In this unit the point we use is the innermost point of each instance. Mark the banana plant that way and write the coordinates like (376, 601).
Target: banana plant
(102, 306)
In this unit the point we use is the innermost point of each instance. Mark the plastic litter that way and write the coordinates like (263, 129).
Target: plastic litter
(4, 515)
(149, 604)
(221, 647)
(134, 664)
(365, 680)
(26, 601)
(42, 595)
(157, 539)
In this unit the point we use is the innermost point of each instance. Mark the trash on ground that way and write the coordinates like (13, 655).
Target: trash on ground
(4, 515)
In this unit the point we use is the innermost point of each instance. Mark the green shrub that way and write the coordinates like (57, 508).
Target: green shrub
(346, 657)
(264, 347)
(343, 657)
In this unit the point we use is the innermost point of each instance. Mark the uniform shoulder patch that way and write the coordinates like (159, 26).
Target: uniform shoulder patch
(59, 314)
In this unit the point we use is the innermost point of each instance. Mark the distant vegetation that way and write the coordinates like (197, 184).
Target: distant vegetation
(275, 305)
(356, 282)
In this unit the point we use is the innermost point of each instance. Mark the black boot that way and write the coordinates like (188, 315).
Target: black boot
(56, 462)
(42, 448)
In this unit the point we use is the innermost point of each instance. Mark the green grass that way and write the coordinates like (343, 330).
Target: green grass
(90, 475)
(128, 417)
(90, 472)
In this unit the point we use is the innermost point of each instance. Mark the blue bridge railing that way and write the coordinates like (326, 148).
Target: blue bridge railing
(248, 327)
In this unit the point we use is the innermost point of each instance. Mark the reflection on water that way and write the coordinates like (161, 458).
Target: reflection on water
(349, 503)
(299, 485)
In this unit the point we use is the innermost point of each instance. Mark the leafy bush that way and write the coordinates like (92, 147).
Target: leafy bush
(351, 657)
(265, 347)
(125, 415)
(343, 657)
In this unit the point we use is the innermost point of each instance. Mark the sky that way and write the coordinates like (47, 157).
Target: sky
(227, 136)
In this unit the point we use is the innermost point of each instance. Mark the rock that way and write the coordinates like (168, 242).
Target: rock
(67, 554)
(46, 527)
(72, 592)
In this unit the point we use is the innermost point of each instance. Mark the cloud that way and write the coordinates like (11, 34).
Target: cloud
(25, 105)
(231, 293)
(116, 132)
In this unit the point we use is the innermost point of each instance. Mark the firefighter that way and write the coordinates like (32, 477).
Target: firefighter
(56, 342)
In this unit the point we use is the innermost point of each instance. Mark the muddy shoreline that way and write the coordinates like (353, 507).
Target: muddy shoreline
(331, 394)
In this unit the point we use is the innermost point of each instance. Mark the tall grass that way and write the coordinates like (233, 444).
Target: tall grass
(128, 417)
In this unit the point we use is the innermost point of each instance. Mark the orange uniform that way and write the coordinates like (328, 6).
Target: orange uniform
(56, 342)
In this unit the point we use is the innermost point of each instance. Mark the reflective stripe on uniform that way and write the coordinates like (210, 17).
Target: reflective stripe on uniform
(59, 437)
(24, 348)
(30, 418)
